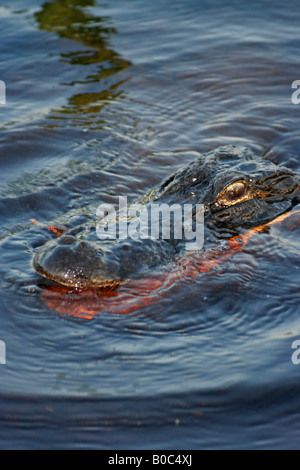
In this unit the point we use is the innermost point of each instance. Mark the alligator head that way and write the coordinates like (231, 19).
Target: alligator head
(237, 188)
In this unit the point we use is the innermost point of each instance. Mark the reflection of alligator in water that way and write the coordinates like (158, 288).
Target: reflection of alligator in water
(71, 19)
(237, 188)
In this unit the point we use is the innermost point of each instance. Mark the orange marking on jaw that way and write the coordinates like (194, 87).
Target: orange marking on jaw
(57, 230)
(236, 243)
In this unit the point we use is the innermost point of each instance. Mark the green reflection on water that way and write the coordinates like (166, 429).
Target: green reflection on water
(74, 20)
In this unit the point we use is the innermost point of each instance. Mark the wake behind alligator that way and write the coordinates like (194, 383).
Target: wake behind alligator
(238, 189)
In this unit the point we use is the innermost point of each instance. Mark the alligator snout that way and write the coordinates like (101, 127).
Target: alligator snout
(72, 262)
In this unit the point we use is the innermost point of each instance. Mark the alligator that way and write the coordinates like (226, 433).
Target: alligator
(237, 189)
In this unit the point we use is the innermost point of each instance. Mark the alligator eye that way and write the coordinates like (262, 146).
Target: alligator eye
(236, 190)
(233, 194)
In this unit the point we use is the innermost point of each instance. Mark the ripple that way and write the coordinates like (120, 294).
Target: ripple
(109, 105)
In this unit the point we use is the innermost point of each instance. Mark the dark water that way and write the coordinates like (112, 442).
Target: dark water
(102, 97)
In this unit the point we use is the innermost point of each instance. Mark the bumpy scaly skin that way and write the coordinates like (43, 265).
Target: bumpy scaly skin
(237, 188)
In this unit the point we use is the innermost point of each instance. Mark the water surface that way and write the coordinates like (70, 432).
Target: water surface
(106, 99)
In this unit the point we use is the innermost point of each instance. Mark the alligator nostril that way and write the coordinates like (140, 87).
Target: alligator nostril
(67, 240)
